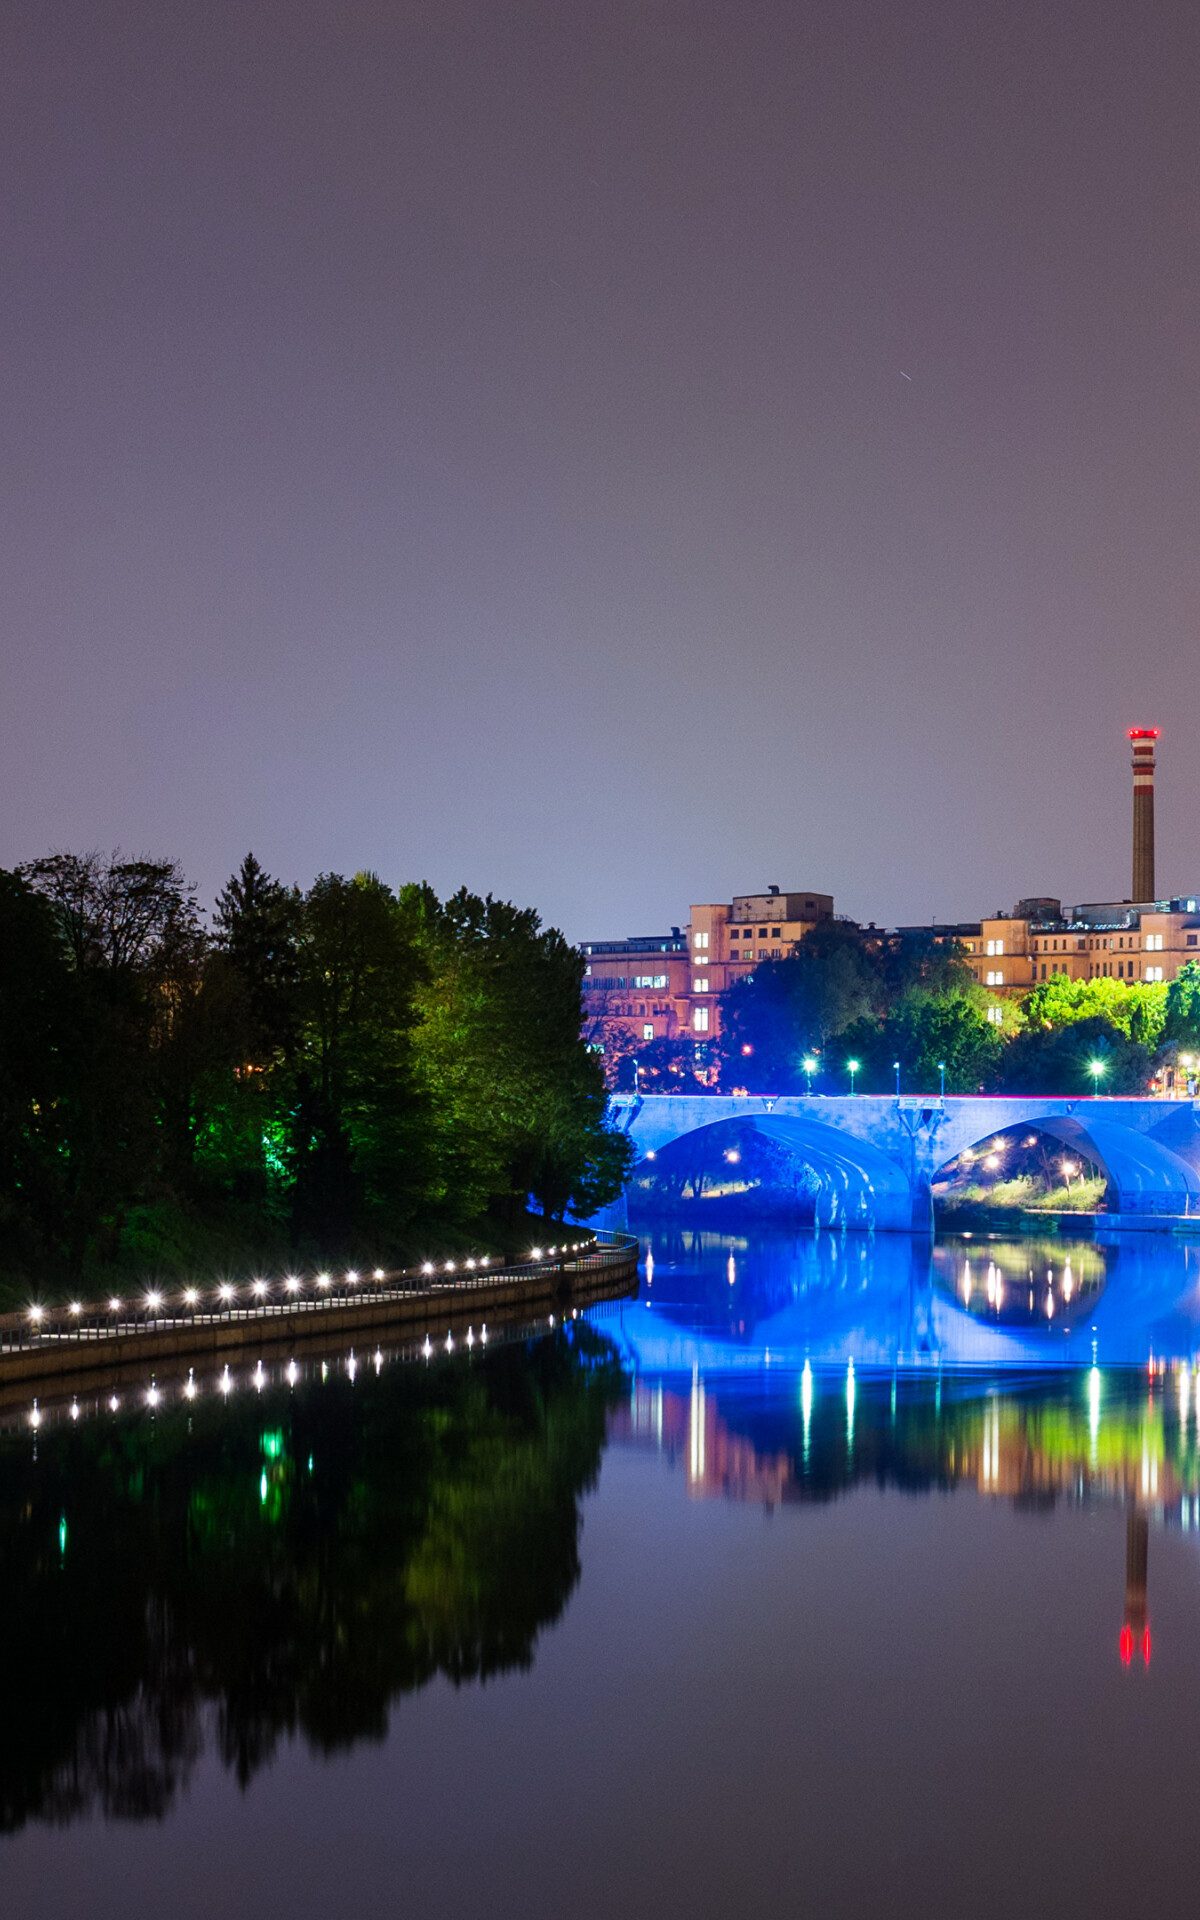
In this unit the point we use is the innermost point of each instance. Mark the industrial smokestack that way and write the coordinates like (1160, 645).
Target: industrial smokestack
(1142, 739)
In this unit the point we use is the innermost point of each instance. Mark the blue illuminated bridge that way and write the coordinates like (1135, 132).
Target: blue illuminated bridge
(872, 1159)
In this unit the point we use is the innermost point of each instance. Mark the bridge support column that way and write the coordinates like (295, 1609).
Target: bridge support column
(922, 1204)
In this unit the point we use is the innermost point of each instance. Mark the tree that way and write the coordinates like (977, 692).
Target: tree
(1137, 1008)
(1058, 1060)
(356, 1117)
(258, 926)
(787, 1009)
(1181, 1023)
(117, 915)
(512, 1081)
(39, 1024)
(924, 1032)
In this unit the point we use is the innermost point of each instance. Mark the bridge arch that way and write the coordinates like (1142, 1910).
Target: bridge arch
(875, 1157)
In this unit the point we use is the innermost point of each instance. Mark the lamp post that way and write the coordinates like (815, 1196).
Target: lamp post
(852, 1068)
(896, 1067)
(942, 1072)
(1096, 1068)
(809, 1066)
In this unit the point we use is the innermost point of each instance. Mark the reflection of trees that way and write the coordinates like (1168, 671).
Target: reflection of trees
(287, 1564)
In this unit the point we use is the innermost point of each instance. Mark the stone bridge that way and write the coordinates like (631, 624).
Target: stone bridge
(874, 1157)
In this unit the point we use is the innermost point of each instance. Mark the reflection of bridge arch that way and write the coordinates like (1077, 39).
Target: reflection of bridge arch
(875, 1157)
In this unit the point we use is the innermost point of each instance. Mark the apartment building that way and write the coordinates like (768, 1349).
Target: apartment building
(641, 985)
(727, 940)
(669, 986)
(1112, 940)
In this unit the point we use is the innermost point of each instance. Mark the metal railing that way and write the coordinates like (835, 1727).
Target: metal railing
(157, 1310)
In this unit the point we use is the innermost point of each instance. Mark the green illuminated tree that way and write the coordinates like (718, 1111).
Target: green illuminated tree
(1181, 1025)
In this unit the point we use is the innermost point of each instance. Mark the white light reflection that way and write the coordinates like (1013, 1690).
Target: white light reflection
(850, 1394)
(293, 1373)
(806, 1400)
(1094, 1411)
(189, 1391)
(696, 1433)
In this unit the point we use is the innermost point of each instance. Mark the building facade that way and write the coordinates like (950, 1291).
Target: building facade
(668, 986)
(1111, 940)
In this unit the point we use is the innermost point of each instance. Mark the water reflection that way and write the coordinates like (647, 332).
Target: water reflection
(719, 1302)
(225, 1571)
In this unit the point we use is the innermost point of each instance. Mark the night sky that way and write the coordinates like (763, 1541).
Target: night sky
(612, 452)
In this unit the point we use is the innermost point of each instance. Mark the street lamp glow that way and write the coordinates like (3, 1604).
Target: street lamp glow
(35, 1314)
(76, 1306)
(259, 1288)
(154, 1301)
(114, 1306)
(225, 1291)
(808, 1066)
(852, 1067)
(1096, 1068)
(191, 1296)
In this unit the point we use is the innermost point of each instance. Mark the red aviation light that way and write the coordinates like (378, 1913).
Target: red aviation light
(1146, 1646)
(1126, 1644)
(1143, 733)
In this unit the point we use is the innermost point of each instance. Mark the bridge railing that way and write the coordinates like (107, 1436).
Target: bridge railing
(159, 1310)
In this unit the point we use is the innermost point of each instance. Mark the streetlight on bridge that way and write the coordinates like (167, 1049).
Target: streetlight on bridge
(942, 1071)
(809, 1067)
(852, 1067)
(896, 1065)
(1097, 1069)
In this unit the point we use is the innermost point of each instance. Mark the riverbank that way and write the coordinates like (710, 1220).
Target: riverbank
(226, 1324)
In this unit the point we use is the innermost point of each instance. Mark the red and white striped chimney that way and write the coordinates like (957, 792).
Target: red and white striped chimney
(1142, 739)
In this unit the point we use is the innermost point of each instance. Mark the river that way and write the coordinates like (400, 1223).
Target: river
(829, 1576)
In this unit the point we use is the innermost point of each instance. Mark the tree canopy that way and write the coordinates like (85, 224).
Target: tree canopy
(346, 1068)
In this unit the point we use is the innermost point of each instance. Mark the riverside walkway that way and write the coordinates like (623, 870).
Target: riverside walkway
(200, 1323)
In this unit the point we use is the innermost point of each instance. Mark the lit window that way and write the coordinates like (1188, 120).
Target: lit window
(700, 1020)
(1154, 942)
(648, 1031)
(995, 946)
(995, 979)
(700, 940)
(1154, 973)
(995, 1016)
(699, 986)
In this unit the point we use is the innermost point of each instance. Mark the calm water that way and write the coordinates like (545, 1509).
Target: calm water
(824, 1579)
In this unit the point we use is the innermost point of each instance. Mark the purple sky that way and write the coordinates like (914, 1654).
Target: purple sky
(471, 440)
